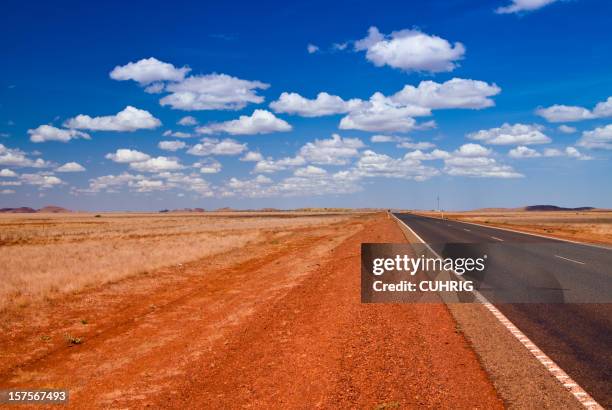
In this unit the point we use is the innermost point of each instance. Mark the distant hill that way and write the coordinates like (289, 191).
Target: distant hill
(556, 208)
(52, 209)
(49, 209)
(22, 210)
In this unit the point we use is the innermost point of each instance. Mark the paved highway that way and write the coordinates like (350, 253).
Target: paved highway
(568, 287)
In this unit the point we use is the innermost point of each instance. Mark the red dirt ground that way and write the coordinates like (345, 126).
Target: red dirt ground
(275, 327)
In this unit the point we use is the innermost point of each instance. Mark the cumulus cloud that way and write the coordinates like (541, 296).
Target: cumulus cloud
(171, 145)
(268, 166)
(311, 48)
(309, 171)
(213, 146)
(373, 164)
(213, 92)
(472, 160)
(156, 164)
(252, 156)
(130, 119)
(17, 158)
(415, 145)
(410, 50)
(324, 104)
(603, 109)
(126, 156)
(572, 113)
(333, 151)
(564, 113)
(517, 6)
(523, 152)
(148, 70)
(566, 129)
(7, 173)
(208, 166)
(516, 134)
(427, 156)
(599, 138)
(381, 114)
(71, 167)
(43, 181)
(49, 133)
(454, 93)
(260, 122)
(187, 121)
(177, 134)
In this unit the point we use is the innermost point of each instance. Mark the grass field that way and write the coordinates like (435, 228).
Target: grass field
(45, 254)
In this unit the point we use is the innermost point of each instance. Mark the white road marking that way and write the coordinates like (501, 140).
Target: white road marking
(579, 393)
(592, 245)
(568, 259)
(497, 239)
(467, 230)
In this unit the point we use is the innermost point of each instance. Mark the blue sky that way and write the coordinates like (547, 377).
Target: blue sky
(486, 104)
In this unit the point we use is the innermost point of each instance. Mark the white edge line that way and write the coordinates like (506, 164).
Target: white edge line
(568, 259)
(517, 231)
(553, 368)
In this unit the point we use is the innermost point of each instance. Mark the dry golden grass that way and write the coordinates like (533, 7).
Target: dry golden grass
(41, 255)
(587, 226)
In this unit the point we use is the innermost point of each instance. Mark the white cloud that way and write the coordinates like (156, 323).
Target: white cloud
(177, 134)
(155, 88)
(125, 156)
(324, 104)
(333, 151)
(372, 164)
(130, 119)
(339, 46)
(383, 115)
(552, 152)
(148, 70)
(7, 173)
(472, 160)
(564, 113)
(427, 156)
(571, 113)
(7, 191)
(566, 129)
(415, 145)
(517, 6)
(603, 109)
(309, 171)
(71, 167)
(268, 166)
(410, 50)
(385, 138)
(454, 93)
(252, 156)
(260, 122)
(516, 134)
(574, 153)
(208, 166)
(44, 181)
(213, 92)
(599, 138)
(49, 133)
(187, 121)
(523, 152)
(171, 145)
(472, 150)
(213, 146)
(157, 164)
(311, 48)
(17, 158)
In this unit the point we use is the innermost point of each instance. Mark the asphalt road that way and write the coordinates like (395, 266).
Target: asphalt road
(564, 290)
